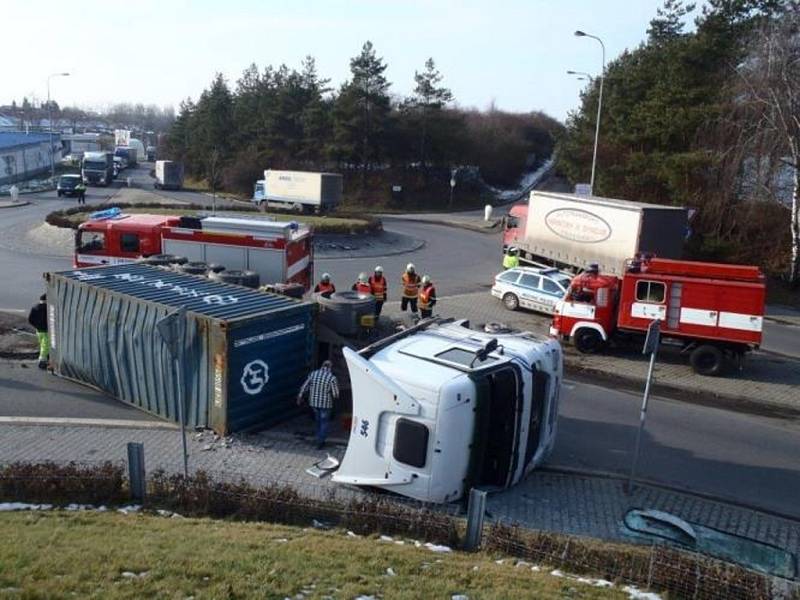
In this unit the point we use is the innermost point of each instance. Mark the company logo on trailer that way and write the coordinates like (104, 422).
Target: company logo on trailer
(254, 377)
(578, 225)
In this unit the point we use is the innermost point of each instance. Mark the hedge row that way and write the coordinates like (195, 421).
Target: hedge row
(366, 224)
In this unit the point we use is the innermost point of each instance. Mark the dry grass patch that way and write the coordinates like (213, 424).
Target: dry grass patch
(109, 555)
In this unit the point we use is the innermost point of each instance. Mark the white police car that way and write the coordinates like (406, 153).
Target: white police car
(528, 287)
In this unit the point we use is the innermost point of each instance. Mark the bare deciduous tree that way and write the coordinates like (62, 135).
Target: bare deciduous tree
(767, 95)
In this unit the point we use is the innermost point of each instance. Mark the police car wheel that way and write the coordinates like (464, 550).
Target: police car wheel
(588, 341)
(510, 301)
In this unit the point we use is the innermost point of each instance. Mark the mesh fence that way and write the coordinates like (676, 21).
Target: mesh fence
(229, 495)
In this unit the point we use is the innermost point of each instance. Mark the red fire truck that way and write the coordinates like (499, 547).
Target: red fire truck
(714, 311)
(280, 252)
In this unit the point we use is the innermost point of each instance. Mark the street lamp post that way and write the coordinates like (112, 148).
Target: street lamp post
(599, 103)
(50, 117)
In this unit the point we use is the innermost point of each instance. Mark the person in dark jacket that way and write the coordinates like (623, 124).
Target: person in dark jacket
(38, 320)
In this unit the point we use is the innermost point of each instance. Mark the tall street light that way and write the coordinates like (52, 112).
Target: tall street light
(580, 33)
(50, 117)
(581, 75)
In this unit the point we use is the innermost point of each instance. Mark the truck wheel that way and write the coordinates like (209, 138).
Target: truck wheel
(510, 301)
(297, 207)
(588, 341)
(245, 278)
(707, 360)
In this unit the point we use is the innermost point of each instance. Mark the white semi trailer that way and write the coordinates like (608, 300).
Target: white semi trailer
(301, 191)
(573, 231)
(441, 408)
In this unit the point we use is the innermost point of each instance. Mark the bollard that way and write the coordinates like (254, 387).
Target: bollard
(476, 509)
(136, 477)
(487, 213)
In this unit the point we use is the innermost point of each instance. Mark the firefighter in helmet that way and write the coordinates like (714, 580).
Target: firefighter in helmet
(427, 297)
(411, 281)
(362, 285)
(325, 286)
(377, 283)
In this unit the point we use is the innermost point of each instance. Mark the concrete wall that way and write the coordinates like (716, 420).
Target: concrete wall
(25, 162)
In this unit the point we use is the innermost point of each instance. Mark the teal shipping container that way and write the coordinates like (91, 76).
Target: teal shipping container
(246, 353)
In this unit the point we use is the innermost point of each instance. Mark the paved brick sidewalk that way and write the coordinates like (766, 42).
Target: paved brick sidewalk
(770, 381)
(550, 501)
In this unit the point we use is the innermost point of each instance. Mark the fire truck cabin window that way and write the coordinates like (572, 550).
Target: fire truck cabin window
(129, 242)
(92, 241)
(650, 291)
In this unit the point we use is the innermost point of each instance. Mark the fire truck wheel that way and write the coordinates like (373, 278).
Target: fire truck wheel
(588, 341)
(510, 301)
(707, 360)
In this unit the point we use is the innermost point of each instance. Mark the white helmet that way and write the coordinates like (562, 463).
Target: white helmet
(512, 249)
(379, 269)
(326, 277)
(410, 267)
(362, 278)
(426, 279)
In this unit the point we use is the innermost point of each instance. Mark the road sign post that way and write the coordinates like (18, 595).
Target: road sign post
(650, 347)
(172, 330)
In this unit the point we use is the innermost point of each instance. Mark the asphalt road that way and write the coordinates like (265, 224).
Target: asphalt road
(745, 458)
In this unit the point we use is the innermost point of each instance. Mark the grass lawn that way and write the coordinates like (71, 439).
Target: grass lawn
(320, 224)
(110, 555)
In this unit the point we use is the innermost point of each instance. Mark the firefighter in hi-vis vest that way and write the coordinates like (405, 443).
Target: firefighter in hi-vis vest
(377, 283)
(410, 281)
(325, 286)
(427, 297)
(362, 285)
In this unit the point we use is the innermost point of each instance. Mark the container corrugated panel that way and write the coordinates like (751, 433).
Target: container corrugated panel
(246, 352)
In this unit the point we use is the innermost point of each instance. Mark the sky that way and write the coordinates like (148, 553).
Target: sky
(514, 53)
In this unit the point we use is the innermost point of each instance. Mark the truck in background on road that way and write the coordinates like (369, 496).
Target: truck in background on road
(569, 231)
(141, 154)
(151, 153)
(128, 156)
(280, 252)
(300, 191)
(715, 312)
(98, 168)
(440, 408)
(169, 175)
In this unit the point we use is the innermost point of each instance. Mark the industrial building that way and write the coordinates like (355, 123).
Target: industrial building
(26, 155)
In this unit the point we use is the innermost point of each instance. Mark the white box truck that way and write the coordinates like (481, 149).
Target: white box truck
(301, 191)
(169, 175)
(440, 408)
(572, 231)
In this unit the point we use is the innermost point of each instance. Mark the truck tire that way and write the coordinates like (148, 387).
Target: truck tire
(588, 341)
(297, 207)
(194, 268)
(707, 360)
(244, 278)
(510, 301)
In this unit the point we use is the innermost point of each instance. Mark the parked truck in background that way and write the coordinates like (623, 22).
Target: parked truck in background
(97, 168)
(569, 231)
(169, 175)
(440, 408)
(280, 252)
(300, 191)
(151, 153)
(128, 155)
(715, 312)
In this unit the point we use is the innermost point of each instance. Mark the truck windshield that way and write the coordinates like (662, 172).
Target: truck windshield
(90, 241)
(100, 166)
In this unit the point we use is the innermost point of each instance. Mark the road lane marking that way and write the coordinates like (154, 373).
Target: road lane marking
(78, 422)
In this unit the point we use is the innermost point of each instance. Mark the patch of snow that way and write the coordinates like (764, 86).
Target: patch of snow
(556, 573)
(635, 593)
(280, 540)
(385, 538)
(75, 507)
(17, 506)
(527, 181)
(459, 597)
(130, 509)
(390, 572)
(601, 583)
(435, 548)
(351, 534)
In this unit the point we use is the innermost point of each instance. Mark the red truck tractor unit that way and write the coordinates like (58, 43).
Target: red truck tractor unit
(280, 252)
(714, 311)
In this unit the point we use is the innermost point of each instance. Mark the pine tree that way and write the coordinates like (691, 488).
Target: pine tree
(668, 22)
(427, 102)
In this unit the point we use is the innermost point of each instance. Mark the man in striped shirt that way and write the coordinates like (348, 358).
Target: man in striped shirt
(322, 389)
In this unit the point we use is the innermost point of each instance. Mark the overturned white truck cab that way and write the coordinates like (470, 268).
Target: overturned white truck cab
(441, 408)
